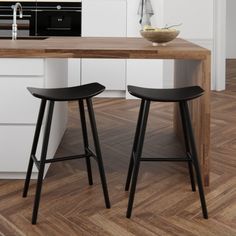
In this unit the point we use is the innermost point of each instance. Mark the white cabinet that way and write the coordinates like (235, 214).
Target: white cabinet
(144, 73)
(110, 73)
(19, 110)
(16, 103)
(74, 71)
(105, 18)
(15, 148)
(21, 67)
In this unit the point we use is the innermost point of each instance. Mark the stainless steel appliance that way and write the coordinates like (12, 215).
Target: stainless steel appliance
(43, 18)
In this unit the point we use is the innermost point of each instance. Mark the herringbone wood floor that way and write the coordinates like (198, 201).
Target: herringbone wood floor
(164, 204)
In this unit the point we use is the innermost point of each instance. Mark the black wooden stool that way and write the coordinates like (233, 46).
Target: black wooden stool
(79, 93)
(180, 95)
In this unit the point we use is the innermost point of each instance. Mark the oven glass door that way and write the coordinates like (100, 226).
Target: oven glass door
(54, 23)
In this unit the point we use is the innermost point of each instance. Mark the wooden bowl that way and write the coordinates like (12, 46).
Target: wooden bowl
(160, 37)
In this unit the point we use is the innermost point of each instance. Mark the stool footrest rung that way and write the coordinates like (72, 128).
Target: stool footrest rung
(166, 159)
(67, 158)
(89, 153)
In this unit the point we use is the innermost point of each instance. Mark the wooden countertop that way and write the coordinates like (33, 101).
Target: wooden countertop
(95, 47)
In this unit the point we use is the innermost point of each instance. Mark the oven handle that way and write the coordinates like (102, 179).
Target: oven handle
(39, 10)
(52, 28)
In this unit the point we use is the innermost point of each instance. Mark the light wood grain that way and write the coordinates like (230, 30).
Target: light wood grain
(94, 47)
(193, 72)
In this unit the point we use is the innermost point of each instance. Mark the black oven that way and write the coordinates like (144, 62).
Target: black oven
(43, 18)
(58, 19)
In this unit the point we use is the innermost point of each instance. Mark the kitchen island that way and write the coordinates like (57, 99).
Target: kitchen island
(192, 67)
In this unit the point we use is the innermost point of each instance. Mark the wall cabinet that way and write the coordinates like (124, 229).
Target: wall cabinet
(104, 18)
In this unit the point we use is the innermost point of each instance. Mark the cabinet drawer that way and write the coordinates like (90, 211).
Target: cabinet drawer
(16, 103)
(21, 67)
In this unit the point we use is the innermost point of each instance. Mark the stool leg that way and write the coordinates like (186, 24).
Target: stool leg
(85, 139)
(187, 147)
(34, 147)
(140, 140)
(42, 162)
(195, 158)
(131, 163)
(98, 152)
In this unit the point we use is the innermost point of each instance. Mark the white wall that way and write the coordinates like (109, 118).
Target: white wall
(230, 29)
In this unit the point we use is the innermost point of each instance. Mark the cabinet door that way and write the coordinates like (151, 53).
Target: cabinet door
(21, 67)
(16, 103)
(104, 18)
(110, 73)
(15, 148)
(144, 73)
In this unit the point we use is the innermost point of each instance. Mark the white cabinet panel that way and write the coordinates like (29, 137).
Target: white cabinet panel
(15, 66)
(105, 18)
(196, 17)
(17, 104)
(74, 71)
(19, 110)
(110, 73)
(144, 73)
(16, 141)
(15, 148)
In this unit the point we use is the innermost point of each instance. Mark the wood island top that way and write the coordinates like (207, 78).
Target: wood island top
(97, 47)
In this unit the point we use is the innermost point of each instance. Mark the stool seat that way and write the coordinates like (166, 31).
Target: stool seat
(166, 95)
(68, 94)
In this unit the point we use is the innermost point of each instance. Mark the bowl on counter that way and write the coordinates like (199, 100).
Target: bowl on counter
(161, 36)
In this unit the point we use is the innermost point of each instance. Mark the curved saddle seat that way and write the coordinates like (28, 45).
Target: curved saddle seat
(166, 95)
(68, 94)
